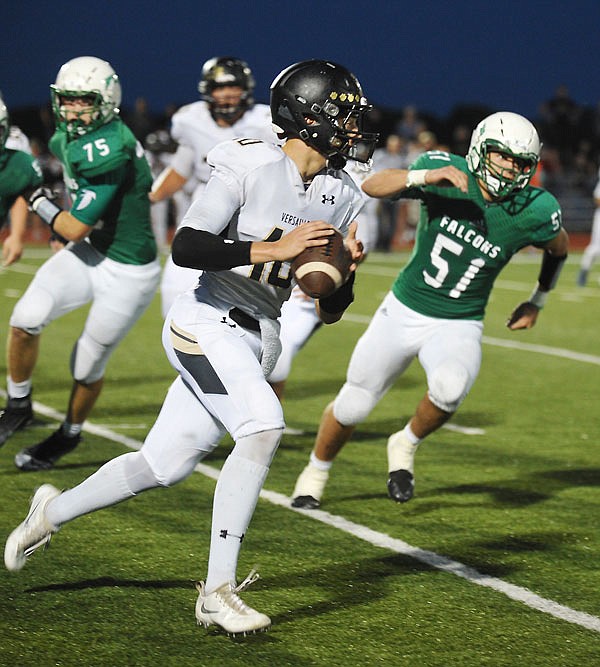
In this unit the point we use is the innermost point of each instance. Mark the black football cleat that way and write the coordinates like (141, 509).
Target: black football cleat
(17, 414)
(306, 502)
(44, 455)
(401, 485)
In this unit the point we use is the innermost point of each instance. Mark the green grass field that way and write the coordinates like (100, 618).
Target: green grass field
(496, 560)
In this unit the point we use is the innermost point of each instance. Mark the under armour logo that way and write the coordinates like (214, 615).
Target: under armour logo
(328, 199)
(225, 534)
(225, 321)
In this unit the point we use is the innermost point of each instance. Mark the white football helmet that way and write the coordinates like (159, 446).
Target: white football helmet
(91, 78)
(4, 124)
(511, 134)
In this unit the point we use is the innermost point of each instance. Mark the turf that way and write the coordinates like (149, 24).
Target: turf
(518, 502)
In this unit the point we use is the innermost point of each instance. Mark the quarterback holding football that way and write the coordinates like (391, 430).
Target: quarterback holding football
(263, 205)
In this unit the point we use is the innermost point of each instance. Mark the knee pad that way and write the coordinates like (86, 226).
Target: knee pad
(353, 405)
(32, 312)
(449, 384)
(89, 359)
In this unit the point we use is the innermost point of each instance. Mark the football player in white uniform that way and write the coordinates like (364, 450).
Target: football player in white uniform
(592, 250)
(262, 206)
(226, 111)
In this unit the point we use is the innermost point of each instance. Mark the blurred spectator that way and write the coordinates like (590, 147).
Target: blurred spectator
(391, 156)
(410, 124)
(140, 120)
(559, 122)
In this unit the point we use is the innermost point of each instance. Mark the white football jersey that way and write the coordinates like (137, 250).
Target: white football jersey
(194, 127)
(256, 193)
(17, 141)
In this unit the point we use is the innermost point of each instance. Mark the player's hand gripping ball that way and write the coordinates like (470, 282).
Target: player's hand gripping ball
(321, 270)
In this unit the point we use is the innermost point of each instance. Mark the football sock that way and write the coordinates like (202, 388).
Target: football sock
(236, 495)
(71, 430)
(318, 464)
(117, 480)
(18, 389)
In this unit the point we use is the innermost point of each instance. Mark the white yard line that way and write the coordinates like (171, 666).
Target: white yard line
(382, 540)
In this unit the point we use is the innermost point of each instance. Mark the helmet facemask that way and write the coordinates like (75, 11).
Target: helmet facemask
(74, 122)
(513, 136)
(499, 181)
(227, 72)
(95, 83)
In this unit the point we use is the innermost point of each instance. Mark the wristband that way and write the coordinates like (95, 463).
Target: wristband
(416, 178)
(538, 298)
(47, 210)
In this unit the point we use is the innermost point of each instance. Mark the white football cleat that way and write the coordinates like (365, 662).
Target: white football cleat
(225, 608)
(309, 487)
(33, 533)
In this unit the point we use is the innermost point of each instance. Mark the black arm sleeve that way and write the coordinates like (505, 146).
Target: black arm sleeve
(550, 270)
(197, 249)
(340, 299)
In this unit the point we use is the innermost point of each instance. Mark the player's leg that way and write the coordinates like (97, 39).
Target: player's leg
(183, 434)
(219, 360)
(60, 285)
(382, 353)
(451, 357)
(121, 293)
(591, 252)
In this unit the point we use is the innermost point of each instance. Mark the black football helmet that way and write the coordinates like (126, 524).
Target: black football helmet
(331, 97)
(227, 71)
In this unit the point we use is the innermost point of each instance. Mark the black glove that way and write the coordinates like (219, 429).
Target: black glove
(41, 201)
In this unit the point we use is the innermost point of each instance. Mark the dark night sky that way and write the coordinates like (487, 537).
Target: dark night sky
(435, 55)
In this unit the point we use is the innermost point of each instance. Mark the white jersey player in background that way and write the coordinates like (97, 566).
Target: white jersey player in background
(226, 111)
(592, 250)
(262, 206)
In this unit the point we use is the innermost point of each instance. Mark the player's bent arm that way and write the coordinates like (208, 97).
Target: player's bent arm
(390, 182)
(553, 260)
(62, 223)
(555, 254)
(330, 309)
(12, 248)
(385, 183)
(201, 249)
(167, 183)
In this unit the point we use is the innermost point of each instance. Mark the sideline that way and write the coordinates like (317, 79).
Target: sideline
(382, 540)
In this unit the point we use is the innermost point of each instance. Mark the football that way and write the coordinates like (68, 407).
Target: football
(319, 271)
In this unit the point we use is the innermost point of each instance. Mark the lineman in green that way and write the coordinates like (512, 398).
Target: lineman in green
(476, 213)
(109, 258)
(20, 174)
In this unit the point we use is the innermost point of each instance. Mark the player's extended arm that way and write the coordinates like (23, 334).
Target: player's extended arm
(390, 182)
(555, 254)
(62, 223)
(12, 248)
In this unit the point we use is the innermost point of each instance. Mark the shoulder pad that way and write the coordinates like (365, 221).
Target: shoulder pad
(242, 155)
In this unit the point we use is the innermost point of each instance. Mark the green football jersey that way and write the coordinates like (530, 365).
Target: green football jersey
(108, 177)
(463, 242)
(19, 171)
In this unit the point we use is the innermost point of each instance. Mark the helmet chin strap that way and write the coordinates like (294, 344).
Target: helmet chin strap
(336, 161)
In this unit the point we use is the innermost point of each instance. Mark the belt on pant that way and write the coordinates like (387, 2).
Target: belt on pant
(244, 320)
